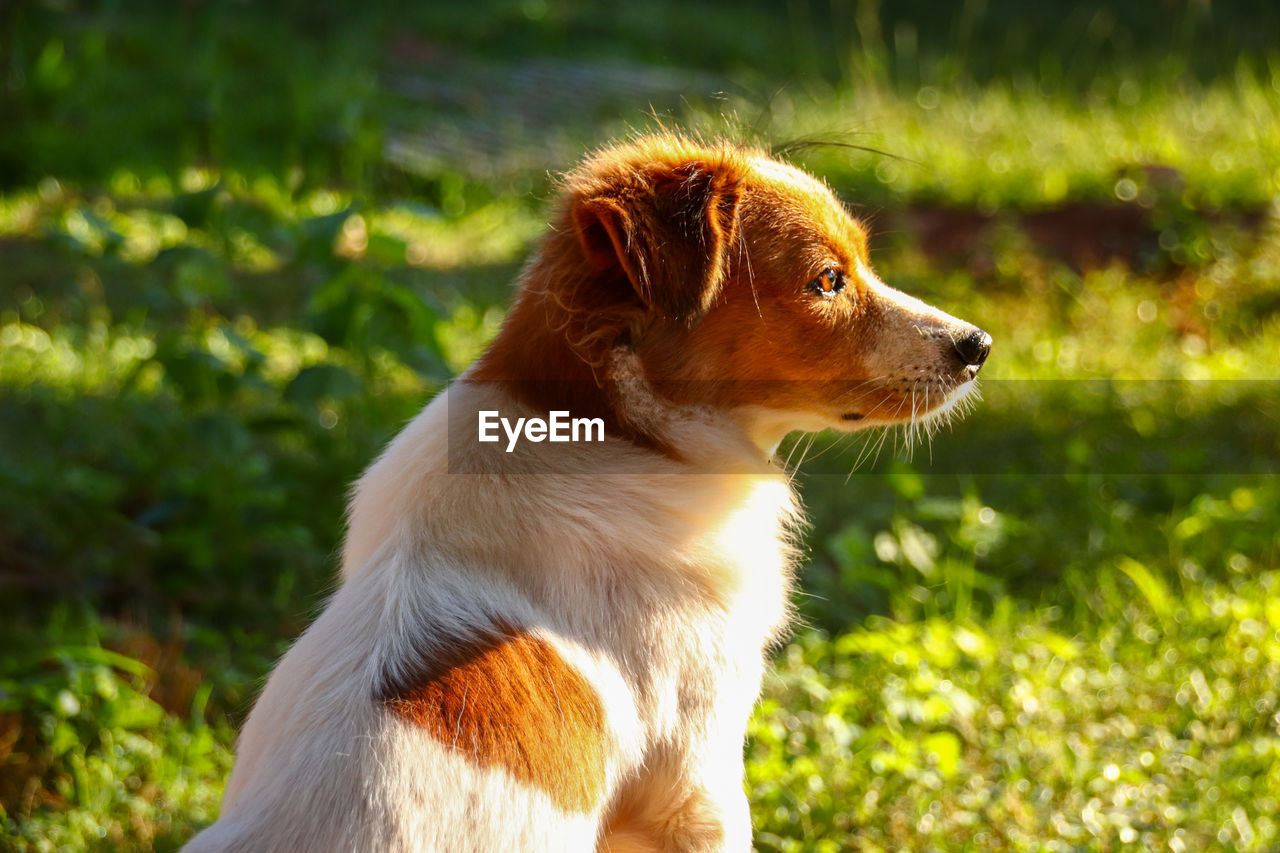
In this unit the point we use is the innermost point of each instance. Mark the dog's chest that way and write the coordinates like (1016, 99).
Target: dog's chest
(749, 555)
(705, 653)
(702, 672)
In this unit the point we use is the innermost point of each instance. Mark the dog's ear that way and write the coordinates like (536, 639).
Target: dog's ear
(669, 228)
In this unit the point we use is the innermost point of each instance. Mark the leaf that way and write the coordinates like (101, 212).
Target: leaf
(196, 208)
(99, 655)
(944, 749)
(319, 381)
(318, 234)
(1149, 585)
(132, 711)
(919, 547)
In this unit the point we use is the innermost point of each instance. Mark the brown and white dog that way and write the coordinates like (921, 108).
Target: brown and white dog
(558, 649)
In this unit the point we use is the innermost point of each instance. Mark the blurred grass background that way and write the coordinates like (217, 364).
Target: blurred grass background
(239, 247)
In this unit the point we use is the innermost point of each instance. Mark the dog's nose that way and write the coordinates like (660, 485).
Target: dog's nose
(974, 347)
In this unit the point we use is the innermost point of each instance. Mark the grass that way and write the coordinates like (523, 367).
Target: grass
(1058, 629)
(1044, 150)
(1152, 727)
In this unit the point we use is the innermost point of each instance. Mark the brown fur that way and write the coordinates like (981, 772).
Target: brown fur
(679, 820)
(510, 701)
(637, 241)
(695, 259)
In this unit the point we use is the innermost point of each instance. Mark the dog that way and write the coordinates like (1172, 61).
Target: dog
(544, 645)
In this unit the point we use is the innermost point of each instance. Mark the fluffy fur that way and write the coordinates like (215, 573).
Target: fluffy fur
(559, 648)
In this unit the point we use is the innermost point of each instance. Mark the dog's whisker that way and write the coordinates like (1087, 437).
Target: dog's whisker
(832, 446)
(861, 387)
(885, 434)
(868, 438)
(809, 447)
(880, 446)
(864, 453)
(744, 257)
(787, 464)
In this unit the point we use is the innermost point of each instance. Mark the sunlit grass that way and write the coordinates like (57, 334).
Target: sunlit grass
(1002, 145)
(1153, 727)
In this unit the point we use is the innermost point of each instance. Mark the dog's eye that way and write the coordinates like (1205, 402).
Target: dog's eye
(829, 283)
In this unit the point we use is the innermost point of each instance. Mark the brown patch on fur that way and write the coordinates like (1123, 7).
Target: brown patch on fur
(644, 237)
(669, 228)
(510, 701)
(660, 813)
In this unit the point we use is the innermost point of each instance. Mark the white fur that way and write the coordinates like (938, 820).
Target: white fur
(661, 582)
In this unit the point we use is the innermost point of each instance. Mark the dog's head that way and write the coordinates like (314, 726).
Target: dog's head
(743, 284)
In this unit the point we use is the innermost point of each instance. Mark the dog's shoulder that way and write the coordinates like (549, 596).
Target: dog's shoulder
(507, 699)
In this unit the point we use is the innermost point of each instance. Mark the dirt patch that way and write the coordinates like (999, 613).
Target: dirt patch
(1088, 236)
(1083, 235)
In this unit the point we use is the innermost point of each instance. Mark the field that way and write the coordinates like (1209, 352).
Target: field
(239, 250)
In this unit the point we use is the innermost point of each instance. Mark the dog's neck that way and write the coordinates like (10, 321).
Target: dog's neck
(533, 361)
(565, 347)
(570, 343)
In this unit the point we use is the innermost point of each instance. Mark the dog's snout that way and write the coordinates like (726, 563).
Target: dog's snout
(973, 348)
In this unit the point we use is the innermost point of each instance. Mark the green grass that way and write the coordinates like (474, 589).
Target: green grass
(1057, 630)
(1001, 147)
(1153, 726)
(111, 753)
